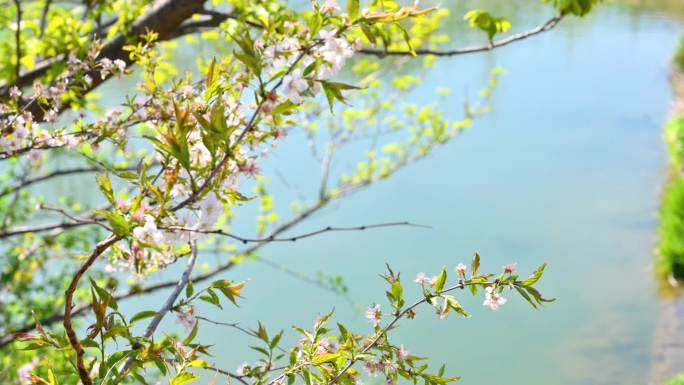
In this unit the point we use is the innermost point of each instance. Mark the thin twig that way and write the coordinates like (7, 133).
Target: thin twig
(462, 51)
(295, 238)
(85, 221)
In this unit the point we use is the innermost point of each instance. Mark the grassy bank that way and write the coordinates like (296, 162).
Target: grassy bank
(670, 253)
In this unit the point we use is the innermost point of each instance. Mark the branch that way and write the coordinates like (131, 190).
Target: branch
(68, 304)
(54, 174)
(73, 218)
(272, 238)
(170, 300)
(164, 18)
(43, 17)
(521, 36)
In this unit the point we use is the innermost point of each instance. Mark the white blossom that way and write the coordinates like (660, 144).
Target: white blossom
(210, 211)
(493, 299)
(293, 85)
(374, 315)
(148, 233)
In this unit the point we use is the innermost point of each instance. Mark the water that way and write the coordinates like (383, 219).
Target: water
(567, 170)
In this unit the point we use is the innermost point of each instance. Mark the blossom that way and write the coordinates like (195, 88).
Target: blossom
(510, 268)
(24, 371)
(250, 168)
(210, 211)
(188, 320)
(123, 204)
(390, 366)
(293, 85)
(106, 67)
(51, 116)
(149, 232)
(493, 299)
(402, 353)
(374, 315)
(187, 91)
(183, 350)
(330, 6)
(120, 65)
(372, 367)
(243, 369)
(461, 269)
(15, 92)
(421, 278)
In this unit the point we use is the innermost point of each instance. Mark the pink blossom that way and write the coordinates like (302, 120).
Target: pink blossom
(330, 6)
(402, 353)
(372, 367)
(510, 268)
(390, 366)
(188, 320)
(461, 269)
(250, 168)
(421, 278)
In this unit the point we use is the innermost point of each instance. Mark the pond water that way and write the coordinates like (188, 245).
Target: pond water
(567, 170)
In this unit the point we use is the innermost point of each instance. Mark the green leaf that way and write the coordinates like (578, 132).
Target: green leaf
(441, 280)
(535, 276)
(142, 315)
(183, 378)
(526, 296)
(454, 304)
(353, 7)
(104, 295)
(476, 264)
(192, 335)
(117, 222)
(323, 358)
(106, 187)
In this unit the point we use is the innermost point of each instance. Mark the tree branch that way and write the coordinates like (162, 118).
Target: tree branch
(68, 304)
(17, 39)
(166, 307)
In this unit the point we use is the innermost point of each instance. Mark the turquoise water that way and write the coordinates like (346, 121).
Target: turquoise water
(566, 170)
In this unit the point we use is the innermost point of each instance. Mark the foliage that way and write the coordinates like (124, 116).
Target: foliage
(171, 164)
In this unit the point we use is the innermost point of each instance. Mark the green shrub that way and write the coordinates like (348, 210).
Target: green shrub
(670, 260)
